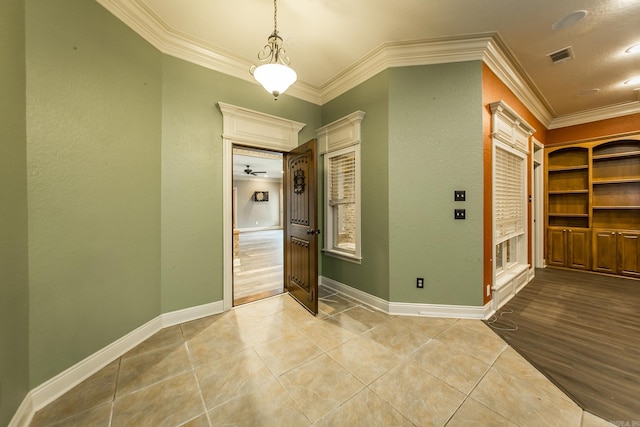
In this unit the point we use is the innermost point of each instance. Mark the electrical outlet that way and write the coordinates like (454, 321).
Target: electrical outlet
(420, 282)
(459, 213)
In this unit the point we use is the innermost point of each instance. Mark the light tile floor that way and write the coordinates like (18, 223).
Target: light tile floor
(270, 363)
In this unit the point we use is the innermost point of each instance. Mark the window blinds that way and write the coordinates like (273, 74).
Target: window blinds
(509, 203)
(343, 179)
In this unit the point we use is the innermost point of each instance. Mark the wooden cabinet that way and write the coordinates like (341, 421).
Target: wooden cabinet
(569, 247)
(593, 206)
(616, 252)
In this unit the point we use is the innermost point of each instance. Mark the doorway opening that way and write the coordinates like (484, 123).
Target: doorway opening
(258, 252)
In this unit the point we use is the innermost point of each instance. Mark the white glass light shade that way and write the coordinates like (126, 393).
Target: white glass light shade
(275, 78)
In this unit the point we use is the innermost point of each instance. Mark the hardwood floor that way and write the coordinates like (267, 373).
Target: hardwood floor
(260, 273)
(581, 330)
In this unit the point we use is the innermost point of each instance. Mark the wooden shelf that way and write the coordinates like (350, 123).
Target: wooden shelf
(569, 215)
(601, 178)
(567, 168)
(601, 181)
(585, 191)
(616, 207)
(616, 155)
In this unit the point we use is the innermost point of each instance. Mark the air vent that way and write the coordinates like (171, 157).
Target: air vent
(561, 55)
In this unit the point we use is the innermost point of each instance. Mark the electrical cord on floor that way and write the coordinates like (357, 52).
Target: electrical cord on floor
(510, 324)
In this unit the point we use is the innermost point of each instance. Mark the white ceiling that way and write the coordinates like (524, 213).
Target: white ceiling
(327, 40)
(258, 161)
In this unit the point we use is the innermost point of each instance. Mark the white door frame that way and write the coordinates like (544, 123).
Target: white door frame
(254, 129)
(537, 219)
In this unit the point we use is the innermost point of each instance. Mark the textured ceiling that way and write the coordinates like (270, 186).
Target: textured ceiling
(326, 37)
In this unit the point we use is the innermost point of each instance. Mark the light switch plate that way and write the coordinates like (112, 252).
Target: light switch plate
(459, 195)
(459, 214)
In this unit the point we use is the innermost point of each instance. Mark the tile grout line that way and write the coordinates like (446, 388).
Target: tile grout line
(193, 371)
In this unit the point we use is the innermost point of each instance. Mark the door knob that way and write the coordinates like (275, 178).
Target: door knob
(312, 231)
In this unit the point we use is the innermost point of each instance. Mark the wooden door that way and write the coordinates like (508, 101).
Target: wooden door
(629, 254)
(604, 251)
(301, 228)
(579, 248)
(556, 247)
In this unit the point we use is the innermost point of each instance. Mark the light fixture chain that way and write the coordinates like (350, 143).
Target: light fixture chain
(275, 16)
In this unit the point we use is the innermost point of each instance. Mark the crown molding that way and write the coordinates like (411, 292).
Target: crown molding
(486, 47)
(608, 112)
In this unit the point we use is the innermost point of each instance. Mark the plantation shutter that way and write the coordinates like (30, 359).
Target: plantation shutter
(509, 204)
(343, 179)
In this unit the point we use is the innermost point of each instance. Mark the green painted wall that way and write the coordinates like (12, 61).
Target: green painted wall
(192, 247)
(372, 276)
(94, 140)
(435, 147)
(14, 285)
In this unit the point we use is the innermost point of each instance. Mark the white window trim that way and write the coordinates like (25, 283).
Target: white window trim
(329, 244)
(511, 133)
(342, 136)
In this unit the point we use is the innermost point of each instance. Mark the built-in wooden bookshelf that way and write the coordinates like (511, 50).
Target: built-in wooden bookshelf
(593, 205)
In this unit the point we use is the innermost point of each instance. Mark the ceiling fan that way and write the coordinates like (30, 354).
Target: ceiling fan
(249, 171)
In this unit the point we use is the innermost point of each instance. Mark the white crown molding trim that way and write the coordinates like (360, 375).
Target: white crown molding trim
(55, 387)
(487, 47)
(405, 54)
(137, 16)
(501, 62)
(409, 309)
(609, 112)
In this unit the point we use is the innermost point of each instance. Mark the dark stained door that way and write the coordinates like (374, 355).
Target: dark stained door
(301, 228)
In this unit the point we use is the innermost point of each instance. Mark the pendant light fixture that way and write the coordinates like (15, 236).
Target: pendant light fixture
(274, 74)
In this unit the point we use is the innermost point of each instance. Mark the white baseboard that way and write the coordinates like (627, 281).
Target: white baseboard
(438, 310)
(191, 313)
(408, 309)
(356, 294)
(50, 390)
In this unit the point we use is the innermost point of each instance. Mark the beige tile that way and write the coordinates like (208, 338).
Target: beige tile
(284, 354)
(265, 307)
(168, 403)
(266, 405)
(359, 319)
(365, 409)
(213, 344)
(99, 416)
(168, 337)
(397, 337)
(483, 347)
(195, 328)
(199, 421)
(296, 316)
(95, 391)
(523, 403)
(326, 335)
(334, 304)
(474, 414)
(429, 326)
(323, 291)
(419, 396)
(513, 363)
(319, 386)
(226, 377)
(137, 372)
(457, 369)
(364, 358)
(590, 420)
(477, 326)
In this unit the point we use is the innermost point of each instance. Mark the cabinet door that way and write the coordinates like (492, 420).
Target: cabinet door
(556, 247)
(605, 251)
(629, 254)
(578, 248)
